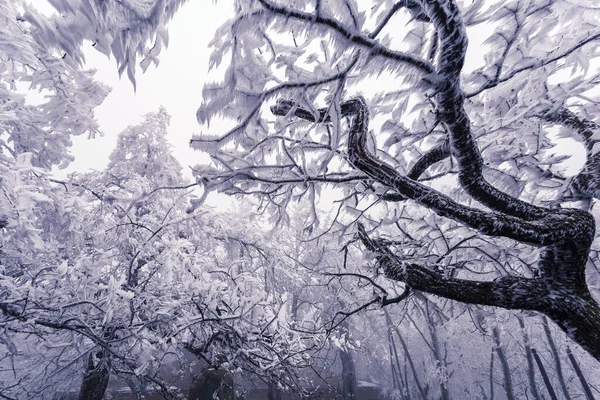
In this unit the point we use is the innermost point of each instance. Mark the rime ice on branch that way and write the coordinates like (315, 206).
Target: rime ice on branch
(486, 127)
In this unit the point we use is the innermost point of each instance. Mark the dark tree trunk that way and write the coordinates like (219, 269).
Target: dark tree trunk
(530, 366)
(95, 378)
(349, 383)
(508, 386)
(579, 317)
(547, 382)
(584, 384)
(556, 355)
(213, 384)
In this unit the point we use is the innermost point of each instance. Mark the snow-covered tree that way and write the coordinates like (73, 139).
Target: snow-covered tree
(442, 165)
(120, 275)
(449, 174)
(44, 100)
(66, 95)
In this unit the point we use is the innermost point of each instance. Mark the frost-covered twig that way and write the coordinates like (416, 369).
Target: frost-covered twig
(565, 235)
(267, 94)
(356, 37)
(534, 65)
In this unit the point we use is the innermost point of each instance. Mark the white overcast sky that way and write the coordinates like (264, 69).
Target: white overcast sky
(176, 84)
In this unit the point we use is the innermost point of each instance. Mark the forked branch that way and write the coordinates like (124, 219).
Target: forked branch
(565, 235)
(546, 231)
(353, 35)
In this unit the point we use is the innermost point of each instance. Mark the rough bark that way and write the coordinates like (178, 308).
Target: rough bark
(213, 383)
(560, 291)
(564, 235)
(95, 378)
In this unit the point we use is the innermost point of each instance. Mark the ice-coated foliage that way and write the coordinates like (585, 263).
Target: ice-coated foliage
(144, 152)
(448, 154)
(393, 165)
(272, 50)
(64, 100)
(111, 263)
(129, 30)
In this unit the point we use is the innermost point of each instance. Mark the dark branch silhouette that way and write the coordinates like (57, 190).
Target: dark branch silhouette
(565, 235)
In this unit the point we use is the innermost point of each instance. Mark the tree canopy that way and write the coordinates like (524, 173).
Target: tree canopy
(412, 167)
(487, 135)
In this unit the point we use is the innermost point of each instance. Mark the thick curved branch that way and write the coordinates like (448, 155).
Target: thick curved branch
(560, 292)
(508, 292)
(450, 100)
(541, 232)
(584, 127)
(376, 49)
(560, 289)
(545, 231)
(434, 155)
(587, 182)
